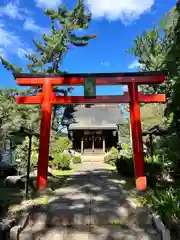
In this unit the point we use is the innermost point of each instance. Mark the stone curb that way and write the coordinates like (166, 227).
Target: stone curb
(156, 220)
(159, 225)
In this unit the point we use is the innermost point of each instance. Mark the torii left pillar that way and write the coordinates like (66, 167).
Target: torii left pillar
(46, 107)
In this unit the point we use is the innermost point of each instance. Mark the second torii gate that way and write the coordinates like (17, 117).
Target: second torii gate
(47, 97)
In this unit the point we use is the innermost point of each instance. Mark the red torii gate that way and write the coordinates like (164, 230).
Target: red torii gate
(47, 97)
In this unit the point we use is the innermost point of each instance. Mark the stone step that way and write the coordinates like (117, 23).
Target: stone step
(93, 158)
(85, 213)
(90, 159)
(93, 154)
(89, 233)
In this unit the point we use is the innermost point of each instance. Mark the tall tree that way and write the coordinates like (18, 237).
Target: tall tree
(13, 116)
(173, 54)
(151, 50)
(50, 51)
(157, 50)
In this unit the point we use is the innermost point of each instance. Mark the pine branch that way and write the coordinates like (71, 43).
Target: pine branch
(39, 46)
(10, 67)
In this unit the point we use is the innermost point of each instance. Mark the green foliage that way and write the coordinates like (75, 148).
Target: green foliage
(59, 145)
(61, 160)
(112, 156)
(21, 155)
(124, 132)
(14, 116)
(151, 50)
(166, 199)
(126, 150)
(158, 49)
(125, 146)
(124, 163)
(152, 114)
(76, 159)
(168, 152)
(34, 159)
(125, 166)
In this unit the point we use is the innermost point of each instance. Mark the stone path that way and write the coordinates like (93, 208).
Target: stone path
(90, 206)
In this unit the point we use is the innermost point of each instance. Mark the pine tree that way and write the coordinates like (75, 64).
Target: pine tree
(50, 51)
(158, 50)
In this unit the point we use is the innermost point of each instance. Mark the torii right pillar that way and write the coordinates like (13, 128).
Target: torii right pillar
(137, 142)
(141, 182)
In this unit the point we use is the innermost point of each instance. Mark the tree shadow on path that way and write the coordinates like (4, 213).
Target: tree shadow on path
(92, 202)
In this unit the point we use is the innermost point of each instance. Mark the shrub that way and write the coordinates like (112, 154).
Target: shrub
(124, 163)
(60, 145)
(21, 155)
(61, 161)
(34, 159)
(122, 160)
(76, 159)
(166, 199)
(126, 150)
(112, 156)
(125, 166)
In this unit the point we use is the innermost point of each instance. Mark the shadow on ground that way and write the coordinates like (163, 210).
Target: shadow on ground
(92, 202)
(9, 195)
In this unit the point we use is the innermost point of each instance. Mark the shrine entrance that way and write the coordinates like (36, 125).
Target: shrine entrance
(98, 142)
(47, 98)
(88, 140)
(92, 140)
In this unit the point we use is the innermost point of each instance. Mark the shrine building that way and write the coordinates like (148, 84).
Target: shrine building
(95, 127)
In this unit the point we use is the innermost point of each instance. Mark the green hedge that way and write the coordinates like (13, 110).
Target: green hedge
(62, 161)
(125, 165)
(112, 156)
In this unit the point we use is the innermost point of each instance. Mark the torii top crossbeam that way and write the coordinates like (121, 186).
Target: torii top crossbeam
(140, 78)
(48, 97)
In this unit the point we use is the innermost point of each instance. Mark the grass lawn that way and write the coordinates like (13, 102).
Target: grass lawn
(63, 172)
(112, 168)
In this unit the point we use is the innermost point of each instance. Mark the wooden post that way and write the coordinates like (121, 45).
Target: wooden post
(11, 149)
(137, 137)
(28, 167)
(43, 159)
(104, 144)
(119, 136)
(82, 145)
(93, 143)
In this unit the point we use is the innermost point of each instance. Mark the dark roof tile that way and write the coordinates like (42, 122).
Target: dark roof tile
(96, 117)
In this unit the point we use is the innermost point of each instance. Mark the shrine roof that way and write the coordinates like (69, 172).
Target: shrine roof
(97, 117)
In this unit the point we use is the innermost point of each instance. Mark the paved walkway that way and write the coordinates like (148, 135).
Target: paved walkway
(90, 206)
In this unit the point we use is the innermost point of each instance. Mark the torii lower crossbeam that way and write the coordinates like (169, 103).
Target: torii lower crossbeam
(48, 97)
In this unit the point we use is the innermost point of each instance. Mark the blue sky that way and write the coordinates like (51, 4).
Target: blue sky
(116, 22)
